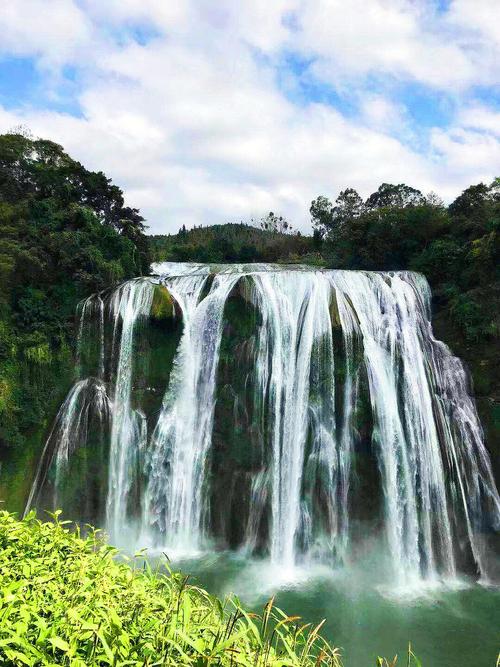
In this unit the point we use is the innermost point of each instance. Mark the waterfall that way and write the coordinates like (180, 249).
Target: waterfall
(168, 497)
(295, 323)
(472, 479)
(390, 324)
(86, 313)
(347, 441)
(344, 376)
(182, 437)
(129, 303)
(70, 431)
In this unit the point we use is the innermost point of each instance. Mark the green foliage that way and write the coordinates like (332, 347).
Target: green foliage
(331, 221)
(327, 219)
(322, 216)
(68, 600)
(394, 196)
(240, 243)
(162, 306)
(64, 233)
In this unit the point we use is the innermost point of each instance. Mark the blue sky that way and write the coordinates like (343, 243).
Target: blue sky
(208, 112)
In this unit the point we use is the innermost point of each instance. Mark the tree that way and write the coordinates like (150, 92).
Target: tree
(40, 173)
(348, 206)
(472, 202)
(275, 223)
(394, 196)
(473, 211)
(321, 211)
(495, 189)
(327, 219)
(433, 199)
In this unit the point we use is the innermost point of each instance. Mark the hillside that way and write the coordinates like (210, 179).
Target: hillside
(233, 242)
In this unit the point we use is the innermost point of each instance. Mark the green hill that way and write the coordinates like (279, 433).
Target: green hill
(233, 242)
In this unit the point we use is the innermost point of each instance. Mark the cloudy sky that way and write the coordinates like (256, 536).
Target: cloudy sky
(209, 111)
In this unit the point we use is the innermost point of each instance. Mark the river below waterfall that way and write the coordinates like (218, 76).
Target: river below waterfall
(455, 624)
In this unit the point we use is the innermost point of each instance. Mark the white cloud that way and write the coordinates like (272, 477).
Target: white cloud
(383, 114)
(481, 118)
(196, 130)
(461, 151)
(398, 38)
(478, 17)
(52, 30)
(164, 15)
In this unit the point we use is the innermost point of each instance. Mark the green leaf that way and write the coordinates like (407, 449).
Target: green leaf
(59, 643)
(20, 657)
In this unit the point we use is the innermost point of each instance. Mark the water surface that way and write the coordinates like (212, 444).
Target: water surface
(453, 624)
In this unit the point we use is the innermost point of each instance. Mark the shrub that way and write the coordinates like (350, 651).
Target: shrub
(67, 600)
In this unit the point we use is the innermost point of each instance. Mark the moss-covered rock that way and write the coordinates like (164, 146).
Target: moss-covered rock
(33, 385)
(162, 307)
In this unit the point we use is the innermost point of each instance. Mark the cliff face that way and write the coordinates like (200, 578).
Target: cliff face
(65, 233)
(32, 387)
(40, 379)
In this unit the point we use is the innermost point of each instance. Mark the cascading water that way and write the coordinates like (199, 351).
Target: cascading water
(348, 436)
(294, 346)
(87, 400)
(129, 303)
(181, 438)
(406, 435)
(344, 377)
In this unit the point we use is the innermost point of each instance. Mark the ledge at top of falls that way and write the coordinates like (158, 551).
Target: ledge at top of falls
(182, 269)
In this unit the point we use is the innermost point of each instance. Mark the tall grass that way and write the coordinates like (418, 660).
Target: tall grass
(66, 600)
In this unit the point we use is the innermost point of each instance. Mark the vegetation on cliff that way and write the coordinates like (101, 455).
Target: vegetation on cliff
(65, 232)
(234, 242)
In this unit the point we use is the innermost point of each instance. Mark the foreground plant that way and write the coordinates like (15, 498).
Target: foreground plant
(411, 660)
(66, 600)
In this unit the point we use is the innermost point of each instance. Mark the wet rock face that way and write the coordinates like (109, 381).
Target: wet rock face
(237, 438)
(155, 348)
(240, 437)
